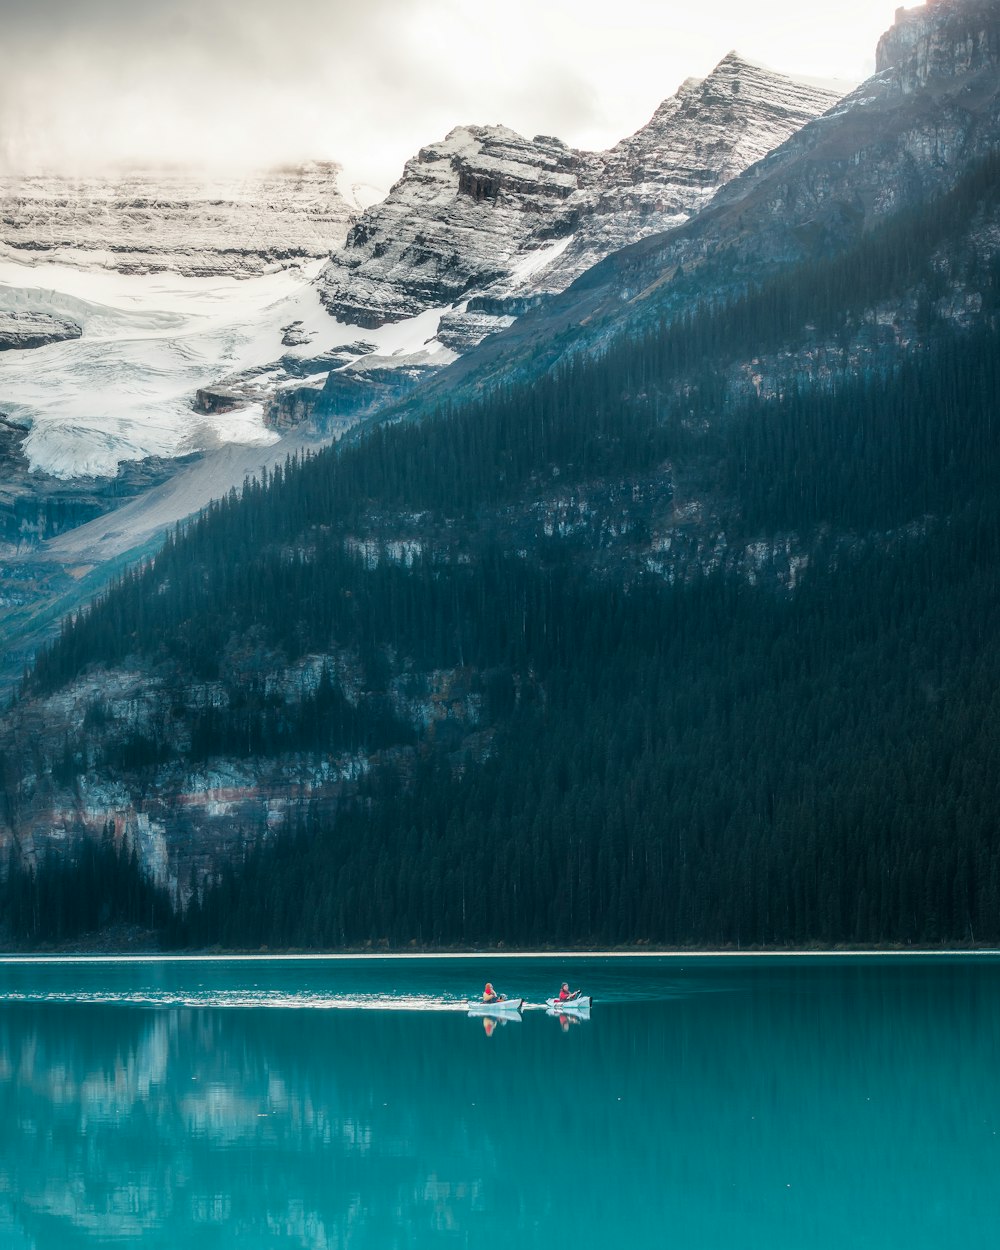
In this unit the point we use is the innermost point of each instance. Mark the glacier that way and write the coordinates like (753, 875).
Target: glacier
(125, 390)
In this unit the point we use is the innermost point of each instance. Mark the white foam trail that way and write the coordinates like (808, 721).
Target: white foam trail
(240, 998)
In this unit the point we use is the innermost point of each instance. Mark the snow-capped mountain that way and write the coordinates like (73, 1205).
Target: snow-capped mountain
(887, 159)
(138, 289)
(486, 219)
(200, 225)
(192, 339)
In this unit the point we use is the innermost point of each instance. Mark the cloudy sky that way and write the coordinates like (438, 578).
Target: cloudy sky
(252, 83)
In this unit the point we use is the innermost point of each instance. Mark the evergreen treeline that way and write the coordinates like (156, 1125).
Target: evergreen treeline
(91, 886)
(881, 451)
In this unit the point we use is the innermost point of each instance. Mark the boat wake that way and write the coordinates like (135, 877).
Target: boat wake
(241, 999)
(285, 999)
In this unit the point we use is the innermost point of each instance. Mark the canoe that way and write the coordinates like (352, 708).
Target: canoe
(570, 1004)
(503, 1007)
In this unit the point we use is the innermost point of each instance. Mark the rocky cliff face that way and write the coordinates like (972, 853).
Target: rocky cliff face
(153, 221)
(943, 39)
(486, 220)
(462, 211)
(20, 331)
(907, 134)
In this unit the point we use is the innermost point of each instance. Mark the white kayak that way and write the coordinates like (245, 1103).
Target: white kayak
(580, 1003)
(501, 1007)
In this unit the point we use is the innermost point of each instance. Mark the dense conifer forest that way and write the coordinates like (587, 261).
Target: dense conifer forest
(712, 767)
(92, 886)
(711, 762)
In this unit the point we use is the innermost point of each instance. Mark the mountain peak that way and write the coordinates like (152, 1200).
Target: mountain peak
(489, 216)
(734, 59)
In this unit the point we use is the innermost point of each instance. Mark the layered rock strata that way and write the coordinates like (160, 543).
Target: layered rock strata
(22, 330)
(200, 225)
(486, 220)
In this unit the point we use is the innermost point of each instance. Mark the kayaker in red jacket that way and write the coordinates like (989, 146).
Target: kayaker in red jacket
(566, 994)
(490, 995)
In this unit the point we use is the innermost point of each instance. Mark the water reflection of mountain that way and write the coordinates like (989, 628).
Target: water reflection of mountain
(121, 1123)
(709, 1114)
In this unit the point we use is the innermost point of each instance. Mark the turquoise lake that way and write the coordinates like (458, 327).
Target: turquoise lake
(742, 1102)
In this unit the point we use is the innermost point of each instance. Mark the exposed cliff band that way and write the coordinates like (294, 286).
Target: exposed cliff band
(489, 215)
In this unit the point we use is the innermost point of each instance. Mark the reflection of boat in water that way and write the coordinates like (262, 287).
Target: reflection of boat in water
(492, 1023)
(579, 1006)
(568, 1013)
(568, 1021)
(500, 1011)
(501, 1008)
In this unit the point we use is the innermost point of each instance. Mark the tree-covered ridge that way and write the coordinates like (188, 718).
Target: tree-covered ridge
(880, 452)
(758, 773)
(717, 765)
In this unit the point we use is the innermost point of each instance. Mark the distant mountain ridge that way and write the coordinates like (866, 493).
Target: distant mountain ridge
(487, 219)
(185, 222)
(907, 134)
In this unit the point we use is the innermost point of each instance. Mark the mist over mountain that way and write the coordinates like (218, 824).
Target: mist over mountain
(231, 87)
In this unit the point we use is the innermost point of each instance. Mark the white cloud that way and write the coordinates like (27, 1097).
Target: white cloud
(85, 83)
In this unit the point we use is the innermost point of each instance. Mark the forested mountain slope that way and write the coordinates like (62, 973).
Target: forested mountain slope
(597, 637)
(171, 354)
(680, 632)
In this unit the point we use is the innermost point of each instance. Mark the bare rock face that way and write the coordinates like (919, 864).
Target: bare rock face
(943, 39)
(462, 212)
(22, 330)
(217, 399)
(486, 219)
(926, 118)
(697, 141)
(153, 221)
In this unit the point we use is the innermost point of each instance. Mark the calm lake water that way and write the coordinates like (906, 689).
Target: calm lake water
(706, 1103)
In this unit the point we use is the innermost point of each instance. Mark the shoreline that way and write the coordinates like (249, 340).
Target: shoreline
(68, 957)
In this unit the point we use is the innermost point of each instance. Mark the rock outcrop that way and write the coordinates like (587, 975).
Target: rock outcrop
(463, 211)
(22, 330)
(485, 220)
(942, 39)
(153, 221)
